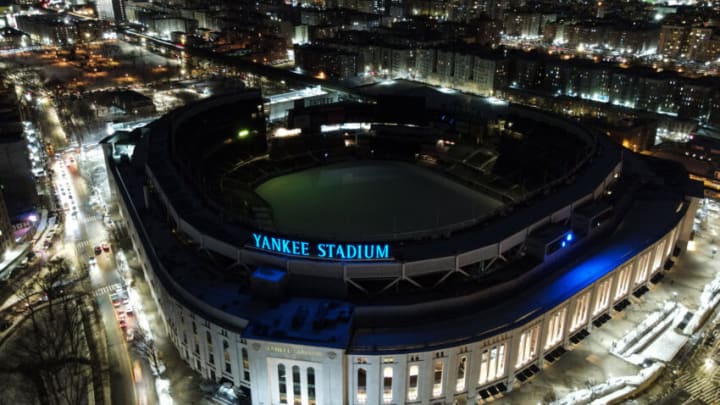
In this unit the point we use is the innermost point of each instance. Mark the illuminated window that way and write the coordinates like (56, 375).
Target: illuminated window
(282, 383)
(501, 360)
(623, 284)
(460, 383)
(580, 315)
(555, 328)
(642, 269)
(246, 364)
(603, 296)
(226, 356)
(527, 347)
(673, 239)
(492, 365)
(659, 250)
(361, 386)
(483, 367)
(413, 382)
(387, 384)
(437, 378)
(311, 385)
(297, 400)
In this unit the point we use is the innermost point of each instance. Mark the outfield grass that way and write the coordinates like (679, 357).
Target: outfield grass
(352, 200)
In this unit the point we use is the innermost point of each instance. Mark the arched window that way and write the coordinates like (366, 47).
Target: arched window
(413, 382)
(361, 386)
(296, 385)
(226, 356)
(311, 385)
(282, 383)
(437, 378)
(387, 385)
(460, 384)
(246, 364)
(208, 337)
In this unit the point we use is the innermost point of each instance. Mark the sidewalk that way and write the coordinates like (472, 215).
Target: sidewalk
(184, 382)
(10, 259)
(590, 362)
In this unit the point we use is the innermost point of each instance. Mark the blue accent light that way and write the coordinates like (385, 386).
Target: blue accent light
(569, 237)
(563, 244)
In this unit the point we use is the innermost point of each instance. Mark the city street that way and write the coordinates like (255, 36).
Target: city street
(96, 249)
(89, 234)
(80, 186)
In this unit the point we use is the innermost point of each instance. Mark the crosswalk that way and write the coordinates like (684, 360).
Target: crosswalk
(94, 218)
(89, 243)
(106, 290)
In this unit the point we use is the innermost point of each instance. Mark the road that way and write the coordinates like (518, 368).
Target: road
(81, 198)
(84, 204)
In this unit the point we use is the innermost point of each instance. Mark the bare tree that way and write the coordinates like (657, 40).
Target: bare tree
(16, 389)
(50, 349)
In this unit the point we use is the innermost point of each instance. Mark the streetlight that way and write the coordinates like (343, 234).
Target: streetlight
(709, 363)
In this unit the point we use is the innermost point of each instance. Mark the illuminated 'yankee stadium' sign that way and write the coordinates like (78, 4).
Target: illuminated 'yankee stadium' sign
(336, 251)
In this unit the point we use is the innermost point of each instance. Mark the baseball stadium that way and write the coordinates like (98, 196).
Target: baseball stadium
(398, 250)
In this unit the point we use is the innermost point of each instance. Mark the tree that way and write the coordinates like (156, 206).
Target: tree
(50, 349)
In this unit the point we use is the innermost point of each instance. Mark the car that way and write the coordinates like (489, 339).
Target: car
(106, 247)
(123, 324)
(121, 317)
(91, 261)
(129, 336)
(97, 250)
